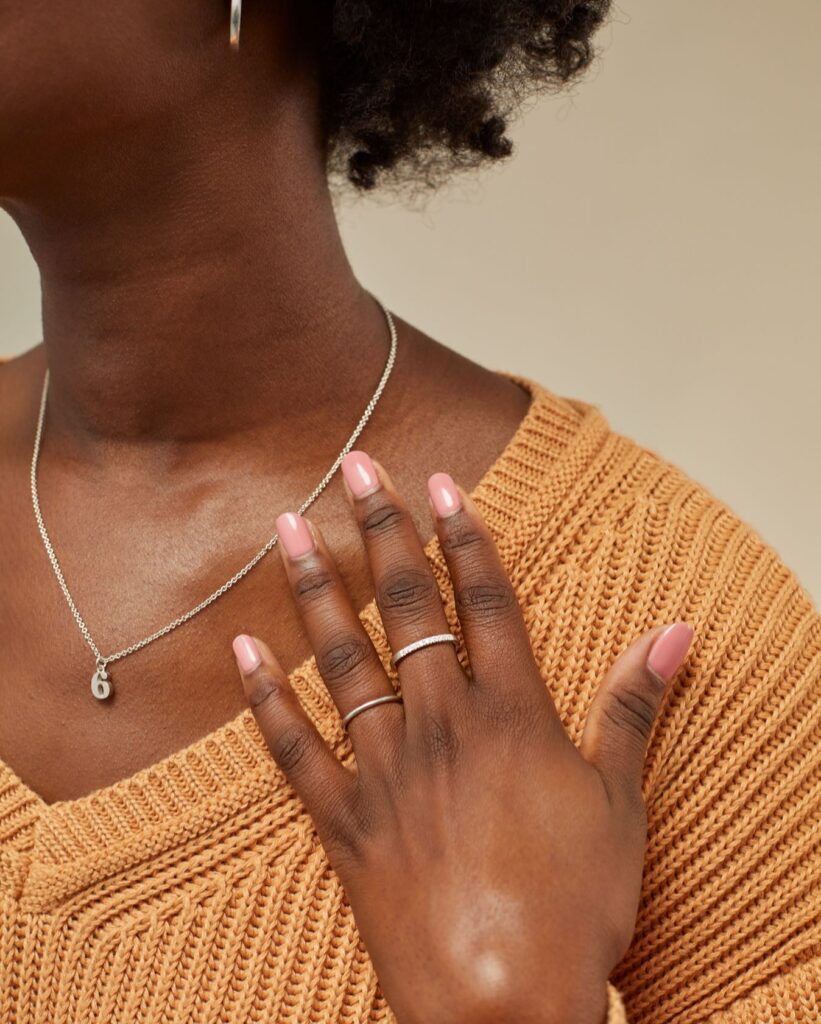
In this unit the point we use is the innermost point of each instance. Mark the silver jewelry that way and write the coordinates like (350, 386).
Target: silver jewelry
(101, 684)
(426, 641)
(236, 14)
(393, 698)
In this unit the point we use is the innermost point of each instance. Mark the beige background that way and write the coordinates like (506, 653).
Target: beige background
(654, 247)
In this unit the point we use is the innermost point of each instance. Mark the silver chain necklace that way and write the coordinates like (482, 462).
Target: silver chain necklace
(101, 683)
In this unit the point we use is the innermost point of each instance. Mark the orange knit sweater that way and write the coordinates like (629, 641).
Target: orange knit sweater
(196, 891)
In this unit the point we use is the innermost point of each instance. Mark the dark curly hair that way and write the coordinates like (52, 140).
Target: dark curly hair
(416, 89)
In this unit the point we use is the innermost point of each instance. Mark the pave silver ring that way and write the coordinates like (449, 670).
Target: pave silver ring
(392, 698)
(426, 641)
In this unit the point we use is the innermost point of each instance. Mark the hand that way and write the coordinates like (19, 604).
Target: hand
(493, 868)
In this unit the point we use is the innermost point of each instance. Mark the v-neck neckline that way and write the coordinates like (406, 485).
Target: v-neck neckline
(230, 768)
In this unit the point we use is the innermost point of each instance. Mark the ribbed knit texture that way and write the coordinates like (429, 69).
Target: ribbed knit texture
(196, 890)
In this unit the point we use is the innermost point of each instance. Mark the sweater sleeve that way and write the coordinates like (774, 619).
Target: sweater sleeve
(728, 925)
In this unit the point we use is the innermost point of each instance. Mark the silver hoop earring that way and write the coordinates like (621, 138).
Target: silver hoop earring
(236, 13)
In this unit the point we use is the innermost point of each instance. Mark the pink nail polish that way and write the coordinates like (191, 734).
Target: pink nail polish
(360, 474)
(443, 494)
(246, 653)
(670, 650)
(294, 534)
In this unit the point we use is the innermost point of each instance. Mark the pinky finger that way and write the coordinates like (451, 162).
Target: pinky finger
(321, 782)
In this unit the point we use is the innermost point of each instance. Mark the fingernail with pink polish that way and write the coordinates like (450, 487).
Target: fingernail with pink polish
(294, 534)
(670, 650)
(360, 474)
(443, 495)
(246, 653)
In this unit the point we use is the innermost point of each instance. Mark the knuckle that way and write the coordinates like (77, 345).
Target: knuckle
(313, 585)
(385, 518)
(461, 536)
(406, 591)
(341, 658)
(440, 743)
(349, 833)
(362, 823)
(342, 846)
(293, 748)
(266, 692)
(342, 836)
(506, 712)
(632, 711)
(485, 597)
(394, 766)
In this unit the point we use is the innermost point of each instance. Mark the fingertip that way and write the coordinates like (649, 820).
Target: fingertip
(361, 475)
(294, 535)
(444, 495)
(669, 650)
(247, 653)
(469, 504)
(252, 654)
(385, 479)
(267, 655)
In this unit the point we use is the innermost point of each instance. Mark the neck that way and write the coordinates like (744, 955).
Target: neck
(193, 278)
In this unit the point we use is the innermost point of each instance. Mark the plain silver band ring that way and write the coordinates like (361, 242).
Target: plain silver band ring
(426, 641)
(393, 698)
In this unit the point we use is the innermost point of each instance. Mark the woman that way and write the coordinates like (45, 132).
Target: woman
(464, 788)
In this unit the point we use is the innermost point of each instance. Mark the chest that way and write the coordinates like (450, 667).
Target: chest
(139, 549)
(132, 572)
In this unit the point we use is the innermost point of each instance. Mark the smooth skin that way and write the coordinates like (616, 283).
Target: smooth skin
(494, 869)
(210, 349)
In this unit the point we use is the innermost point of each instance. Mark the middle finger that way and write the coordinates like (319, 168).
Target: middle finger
(406, 591)
(345, 656)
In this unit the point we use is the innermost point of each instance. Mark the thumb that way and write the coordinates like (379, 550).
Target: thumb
(624, 710)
